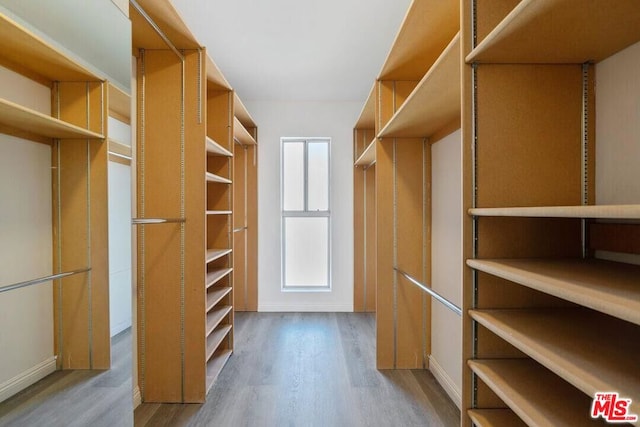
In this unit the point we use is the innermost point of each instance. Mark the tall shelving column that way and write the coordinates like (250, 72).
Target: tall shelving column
(245, 209)
(547, 325)
(76, 131)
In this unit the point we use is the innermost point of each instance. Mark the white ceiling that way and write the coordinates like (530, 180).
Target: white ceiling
(303, 50)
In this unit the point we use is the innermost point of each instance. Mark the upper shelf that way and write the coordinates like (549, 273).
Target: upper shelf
(28, 52)
(241, 134)
(609, 287)
(593, 211)
(589, 350)
(368, 156)
(434, 103)
(560, 31)
(241, 112)
(17, 117)
(427, 28)
(119, 104)
(212, 177)
(168, 21)
(216, 149)
(367, 118)
(215, 78)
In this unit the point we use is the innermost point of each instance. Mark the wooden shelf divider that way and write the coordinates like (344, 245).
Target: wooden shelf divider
(214, 276)
(215, 295)
(215, 339)
(536, 395)
(215, 316)
(214, 254)
(606, 286)
(215, 365)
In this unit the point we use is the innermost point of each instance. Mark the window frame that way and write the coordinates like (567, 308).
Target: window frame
(305, 213)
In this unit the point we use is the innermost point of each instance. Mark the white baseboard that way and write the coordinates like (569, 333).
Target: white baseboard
(26, 378)
(445, 381)
(137, 397)
(318, 308)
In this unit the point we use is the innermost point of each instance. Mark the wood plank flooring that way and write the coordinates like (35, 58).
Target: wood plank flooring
(309, 369)
(77, 398)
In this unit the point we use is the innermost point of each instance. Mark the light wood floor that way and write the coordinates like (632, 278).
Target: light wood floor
(309, 370)
(77, 398)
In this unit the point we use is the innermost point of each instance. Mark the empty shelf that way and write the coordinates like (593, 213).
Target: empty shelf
(536, 395)
(241, 112)
(435, 102)
(594, 211)
(215, 295)
(366, 120)
(211, 177)
(214, 276)
(606, 286)
(560, 31)
(215, 316)
(216, 149)
(495, 418)
(215, 338)
(119, 104)
(426, 30)
(368, 156)
(214, 212)
(215, 365)
(17, 117)
(214, 254)
(592, 351)
(35, 54)
(241, 134)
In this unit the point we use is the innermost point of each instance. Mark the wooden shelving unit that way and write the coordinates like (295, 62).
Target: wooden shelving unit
(547, 323)
(76, 131)
(186, 330)
(368, 156)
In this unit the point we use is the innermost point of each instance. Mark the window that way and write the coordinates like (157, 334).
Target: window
(306, 219)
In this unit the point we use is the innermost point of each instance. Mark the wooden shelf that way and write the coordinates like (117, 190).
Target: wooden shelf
(215, 296)
(594, 211)
(29, 53)
(211, 177)
(367, 118)
(215, 316)
(215, 365)
(241, 112)
(368, 156)
(495, 418)
(119, 104)
(537, 396)
(427, 28)
(434, 103)
(219, 212)
(15, 116)
(215, 149)
(214, 254)
(167, 18)
(214, 276)
(609, 287)
(241, 134)
(215, 338)
(560, 31)
(591, 351)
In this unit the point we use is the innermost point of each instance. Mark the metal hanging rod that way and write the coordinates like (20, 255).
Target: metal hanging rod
(156, 28)
(451, 306)
(236, 230)
(42, 280)
(141, 221)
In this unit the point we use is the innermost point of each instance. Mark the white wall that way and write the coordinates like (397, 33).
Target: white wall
(305, 119)
(446, 276)
(26, 252)
(618, 133)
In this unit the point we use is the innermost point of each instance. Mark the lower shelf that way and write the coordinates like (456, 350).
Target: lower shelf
(537, 396)
(495, 418)
(215, 365)
(215, 338)
(215, 316)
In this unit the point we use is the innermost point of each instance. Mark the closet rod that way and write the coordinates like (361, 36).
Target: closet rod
(141, 221)
(156, 28)
(42, 280)
(451, 306)
(236, 230)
